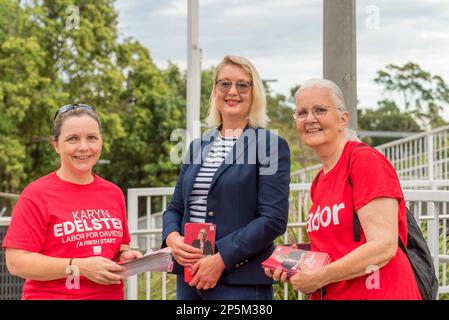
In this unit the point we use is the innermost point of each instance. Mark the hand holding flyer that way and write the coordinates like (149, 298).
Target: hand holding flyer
(202, 236)
(289, 258)
(159, 261)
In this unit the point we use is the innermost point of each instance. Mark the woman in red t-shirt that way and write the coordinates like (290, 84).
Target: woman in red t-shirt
(372, 268)
(69, 227)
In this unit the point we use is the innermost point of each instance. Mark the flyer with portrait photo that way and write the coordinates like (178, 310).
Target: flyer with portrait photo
(202, 236)
(289, 258)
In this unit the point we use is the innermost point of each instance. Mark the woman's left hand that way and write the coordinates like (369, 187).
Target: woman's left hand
(307, 280)
(207, 272)
(130, 255)
(277, 275)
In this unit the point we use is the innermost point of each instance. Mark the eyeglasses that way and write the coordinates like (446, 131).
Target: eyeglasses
(317, 111)
(69, 107)
(225, 85)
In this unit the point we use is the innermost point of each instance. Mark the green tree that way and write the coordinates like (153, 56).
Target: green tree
(44, 64)
(387, 117)
(24, 89)
(53, 53)
(141, 157)
(415, 90)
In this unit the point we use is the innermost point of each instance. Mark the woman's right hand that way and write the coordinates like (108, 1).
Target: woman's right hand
(99, 270)
(184, 254)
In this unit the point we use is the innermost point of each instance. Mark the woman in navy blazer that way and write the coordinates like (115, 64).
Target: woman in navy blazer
(246, 198)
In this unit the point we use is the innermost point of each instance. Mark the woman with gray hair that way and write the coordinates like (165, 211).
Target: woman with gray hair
(236, 177)
(358, 208)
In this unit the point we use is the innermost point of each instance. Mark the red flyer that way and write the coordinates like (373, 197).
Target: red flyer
(289, 258)
(202, 236)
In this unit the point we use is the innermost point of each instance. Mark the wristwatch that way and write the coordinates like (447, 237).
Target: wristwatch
(70, 269)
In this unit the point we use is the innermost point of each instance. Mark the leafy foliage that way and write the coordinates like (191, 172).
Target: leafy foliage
(387, 117)
(47, 61)
(416, 91)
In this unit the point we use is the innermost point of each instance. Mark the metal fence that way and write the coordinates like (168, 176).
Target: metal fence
(431, 209)
(145, 208)
(10, 286)
(424, 156)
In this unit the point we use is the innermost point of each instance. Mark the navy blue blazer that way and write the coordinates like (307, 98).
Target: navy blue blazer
(247, 201)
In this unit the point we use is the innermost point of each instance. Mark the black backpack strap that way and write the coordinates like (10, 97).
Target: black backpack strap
(355, 217)
(317, 178)
(401, 245)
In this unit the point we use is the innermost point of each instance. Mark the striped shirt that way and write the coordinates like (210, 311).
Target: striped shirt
(198, 198)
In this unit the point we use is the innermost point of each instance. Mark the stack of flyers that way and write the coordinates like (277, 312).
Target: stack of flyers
(159, 261)
(289, 258)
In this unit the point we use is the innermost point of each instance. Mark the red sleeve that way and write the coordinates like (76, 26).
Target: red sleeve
(373, 177)
(28, 228)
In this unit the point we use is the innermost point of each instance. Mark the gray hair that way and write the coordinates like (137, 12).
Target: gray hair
(336, 93)
(337, 98)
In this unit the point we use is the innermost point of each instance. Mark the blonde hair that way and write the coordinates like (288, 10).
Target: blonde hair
(257, 116)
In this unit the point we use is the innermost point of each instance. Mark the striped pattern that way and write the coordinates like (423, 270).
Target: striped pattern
(198, 198)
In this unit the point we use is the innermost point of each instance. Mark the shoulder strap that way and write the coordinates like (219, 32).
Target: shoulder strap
(355, 218)
(356, 221)
(317, 177)
(401, 245)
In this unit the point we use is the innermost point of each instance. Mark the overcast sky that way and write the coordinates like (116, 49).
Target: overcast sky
(283, 38)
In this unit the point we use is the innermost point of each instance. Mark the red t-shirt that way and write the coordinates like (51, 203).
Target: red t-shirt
(330, 223)
(66, 220)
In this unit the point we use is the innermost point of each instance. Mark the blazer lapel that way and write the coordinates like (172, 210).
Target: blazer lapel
(238, 150)
(199, 154)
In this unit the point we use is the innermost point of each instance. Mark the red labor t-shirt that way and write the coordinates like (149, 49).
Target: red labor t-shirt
(330, 223)
(65, 220)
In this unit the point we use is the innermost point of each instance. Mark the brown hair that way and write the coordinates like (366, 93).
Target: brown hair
(77, 112)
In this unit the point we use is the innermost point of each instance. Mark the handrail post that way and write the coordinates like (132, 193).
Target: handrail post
(430, 166)
(132, 223)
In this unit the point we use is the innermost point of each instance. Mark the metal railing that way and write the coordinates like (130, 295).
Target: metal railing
(7, 201)
(431, 209)
(423, 156)
(145, 208)
(148, 232)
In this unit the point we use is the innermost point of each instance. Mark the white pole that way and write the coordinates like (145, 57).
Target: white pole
(193, 72)
(430, 164)
(133, 225)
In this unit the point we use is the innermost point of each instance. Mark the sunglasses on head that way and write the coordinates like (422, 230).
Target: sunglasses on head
(69, 107)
